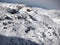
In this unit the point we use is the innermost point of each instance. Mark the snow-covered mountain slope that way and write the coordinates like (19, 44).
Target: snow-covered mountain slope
(31, 23)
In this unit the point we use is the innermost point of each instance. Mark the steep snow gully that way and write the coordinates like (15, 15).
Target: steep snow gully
(24, 25)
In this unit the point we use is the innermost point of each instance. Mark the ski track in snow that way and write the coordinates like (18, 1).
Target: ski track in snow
(31, 23)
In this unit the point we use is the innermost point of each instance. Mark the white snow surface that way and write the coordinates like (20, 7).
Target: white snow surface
(31, 23)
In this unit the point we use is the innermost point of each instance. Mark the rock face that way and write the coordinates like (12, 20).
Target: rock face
(30, 23)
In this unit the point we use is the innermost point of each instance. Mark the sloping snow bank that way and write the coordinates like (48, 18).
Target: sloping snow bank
(31, 23)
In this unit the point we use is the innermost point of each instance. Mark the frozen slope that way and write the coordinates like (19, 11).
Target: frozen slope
(31, 23)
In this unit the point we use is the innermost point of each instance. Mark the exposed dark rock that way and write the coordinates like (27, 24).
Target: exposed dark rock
(19, 17)
(8, 18)
(4, 23)
(49, 27)
(4, 27)
(12, 11)
(54, 34)
(29, 10)
(29, 28)
(14, 29)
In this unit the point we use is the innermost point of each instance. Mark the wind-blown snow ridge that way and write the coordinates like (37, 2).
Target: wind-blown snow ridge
(46, 4)
(31, 23)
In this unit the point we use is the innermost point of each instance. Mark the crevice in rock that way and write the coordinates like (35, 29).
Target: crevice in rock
(32, 18)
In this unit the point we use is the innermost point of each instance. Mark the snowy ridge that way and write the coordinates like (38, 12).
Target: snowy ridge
(31, 23)
(46, 4)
